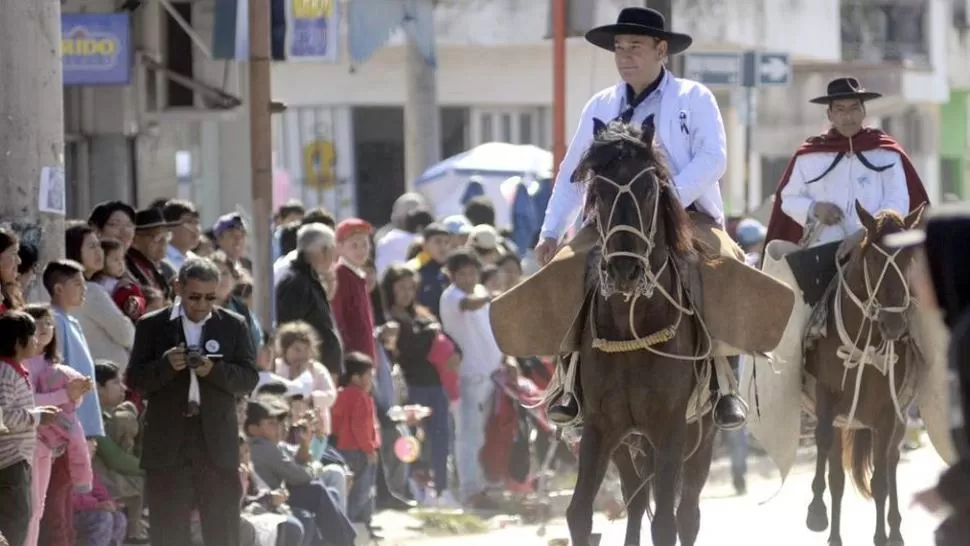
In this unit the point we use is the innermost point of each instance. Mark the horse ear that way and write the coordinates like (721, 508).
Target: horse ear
(867, 220)
(914, 217)
(598, 126)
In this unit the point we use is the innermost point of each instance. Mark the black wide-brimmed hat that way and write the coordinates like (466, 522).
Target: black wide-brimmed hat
(845, 88)
(639, 22)
(150, 219)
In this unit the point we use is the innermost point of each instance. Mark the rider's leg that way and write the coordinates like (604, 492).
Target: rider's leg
(730, 412)
(566, 408)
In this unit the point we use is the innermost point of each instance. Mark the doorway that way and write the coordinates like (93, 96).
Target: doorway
(379, 154)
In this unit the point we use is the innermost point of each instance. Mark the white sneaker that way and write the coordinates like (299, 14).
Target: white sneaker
(447, 501)
(419, 493)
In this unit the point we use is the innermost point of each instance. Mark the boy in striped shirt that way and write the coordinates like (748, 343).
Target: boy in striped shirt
(18, 341)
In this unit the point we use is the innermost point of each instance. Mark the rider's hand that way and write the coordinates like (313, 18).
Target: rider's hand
(545, 250)
(828, 213)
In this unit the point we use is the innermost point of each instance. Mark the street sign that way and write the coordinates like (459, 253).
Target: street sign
(713, 68)
(774, 69)
(766, 69)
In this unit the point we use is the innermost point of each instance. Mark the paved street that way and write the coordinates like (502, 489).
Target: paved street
(728, 520)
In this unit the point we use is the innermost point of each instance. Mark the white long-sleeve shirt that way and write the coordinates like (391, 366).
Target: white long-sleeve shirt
(690, 131)
(848, 181)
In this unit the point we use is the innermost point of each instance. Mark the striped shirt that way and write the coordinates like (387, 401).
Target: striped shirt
(17, 401)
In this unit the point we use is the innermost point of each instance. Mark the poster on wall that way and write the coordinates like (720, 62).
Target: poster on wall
(313, 30)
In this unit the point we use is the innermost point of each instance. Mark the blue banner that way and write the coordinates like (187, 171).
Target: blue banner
(96, 48)
(312, 30)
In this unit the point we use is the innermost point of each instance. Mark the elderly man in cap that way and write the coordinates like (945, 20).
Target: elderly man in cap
(689, 129)
(814, 203)
(148, 249)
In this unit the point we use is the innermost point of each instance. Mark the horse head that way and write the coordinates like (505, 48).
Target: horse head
(884, 288)
(634, 204)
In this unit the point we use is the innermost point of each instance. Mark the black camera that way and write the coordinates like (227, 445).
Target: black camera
(194, 357)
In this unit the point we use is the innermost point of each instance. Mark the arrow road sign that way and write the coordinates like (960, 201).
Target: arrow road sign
(774, 69)
(766, 69)
(713, 68)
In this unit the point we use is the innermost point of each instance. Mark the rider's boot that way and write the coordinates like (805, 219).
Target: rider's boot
(730, 412)
(564, 410)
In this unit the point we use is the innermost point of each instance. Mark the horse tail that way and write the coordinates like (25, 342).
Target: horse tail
(857, 458)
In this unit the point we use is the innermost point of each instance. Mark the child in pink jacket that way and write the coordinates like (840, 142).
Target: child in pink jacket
(55, 385)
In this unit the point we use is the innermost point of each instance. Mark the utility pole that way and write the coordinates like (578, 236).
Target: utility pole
(422, 126)
(559, 30)
(31, 121)
(261, 154)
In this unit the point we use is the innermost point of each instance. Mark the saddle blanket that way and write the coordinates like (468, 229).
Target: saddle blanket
(744, 309)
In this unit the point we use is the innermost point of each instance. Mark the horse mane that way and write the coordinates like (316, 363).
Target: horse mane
(621, 142)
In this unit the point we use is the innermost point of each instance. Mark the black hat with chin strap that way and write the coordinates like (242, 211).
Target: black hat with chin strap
(845, 88)
(639, 22)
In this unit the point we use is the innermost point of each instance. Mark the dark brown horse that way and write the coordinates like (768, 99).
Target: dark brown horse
(640, 345)
(858, 364)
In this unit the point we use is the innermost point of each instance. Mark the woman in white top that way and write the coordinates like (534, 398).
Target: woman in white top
(108, 331)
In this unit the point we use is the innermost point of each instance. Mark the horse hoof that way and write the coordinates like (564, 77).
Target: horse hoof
(896, 542)
(594, 539)
(817, 520)
(835, 542)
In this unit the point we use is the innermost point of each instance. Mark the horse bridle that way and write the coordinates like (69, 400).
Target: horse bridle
(850, 352)
(871, 308)
(649, 280)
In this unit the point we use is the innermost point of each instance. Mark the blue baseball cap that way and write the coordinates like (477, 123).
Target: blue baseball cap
(457, 224)
(750, 231)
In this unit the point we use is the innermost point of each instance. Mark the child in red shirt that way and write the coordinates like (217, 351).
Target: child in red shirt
(351, 302)
(355, 427)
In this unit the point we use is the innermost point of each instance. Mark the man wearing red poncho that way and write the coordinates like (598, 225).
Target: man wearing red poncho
(829, 172)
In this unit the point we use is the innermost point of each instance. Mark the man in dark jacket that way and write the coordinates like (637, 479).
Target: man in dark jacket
(300, 295)
(191, 360)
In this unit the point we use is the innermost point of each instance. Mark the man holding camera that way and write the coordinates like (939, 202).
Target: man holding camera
(191, 361)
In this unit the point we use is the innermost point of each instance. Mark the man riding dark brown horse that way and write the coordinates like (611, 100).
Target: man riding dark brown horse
(694, 143)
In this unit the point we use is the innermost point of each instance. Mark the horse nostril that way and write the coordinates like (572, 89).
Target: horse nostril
(625, 269)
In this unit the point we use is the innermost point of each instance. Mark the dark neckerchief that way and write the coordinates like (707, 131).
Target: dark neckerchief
(634, 99)
(862, 159)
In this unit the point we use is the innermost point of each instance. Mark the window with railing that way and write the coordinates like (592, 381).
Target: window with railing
(879, 31)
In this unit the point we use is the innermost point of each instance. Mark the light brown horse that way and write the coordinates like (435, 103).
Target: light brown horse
(639, 346)
(869, 308)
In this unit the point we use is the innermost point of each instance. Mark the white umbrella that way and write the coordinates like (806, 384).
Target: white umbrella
(492, 163)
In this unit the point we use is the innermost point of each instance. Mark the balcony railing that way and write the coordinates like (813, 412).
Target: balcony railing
(885, 31)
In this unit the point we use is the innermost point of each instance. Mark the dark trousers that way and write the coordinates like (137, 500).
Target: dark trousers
(15, 496)
(332, 524)
(360, 498)
(57, 524)
(173, 492)
(438, 429)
